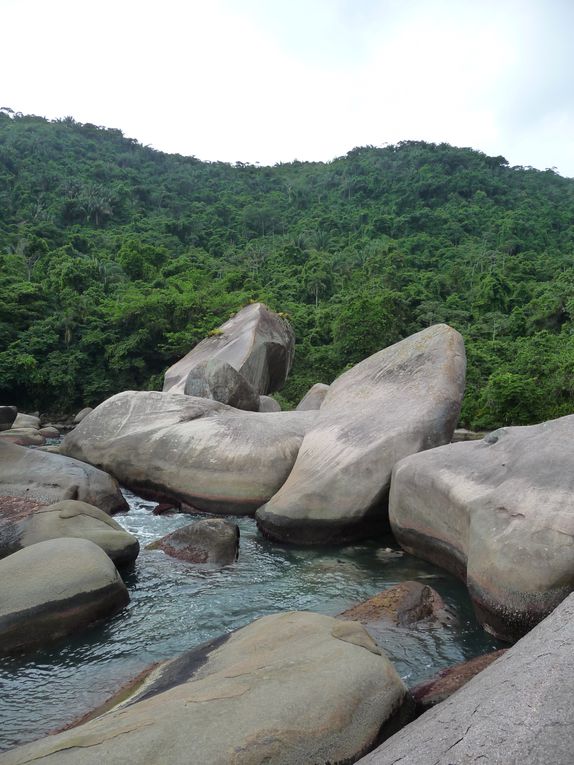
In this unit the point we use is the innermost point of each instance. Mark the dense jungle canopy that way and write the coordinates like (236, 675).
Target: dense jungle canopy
(115, 259)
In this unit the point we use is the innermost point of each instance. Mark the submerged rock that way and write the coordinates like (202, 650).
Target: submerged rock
(54, 588)
(517, 711)
(190, 450)
(402, 604)
(499, 513)
(49, 478)
(401, 400)
(288, 689)
(24, 523)
(256, 342)
(211, 542)
(314, 397)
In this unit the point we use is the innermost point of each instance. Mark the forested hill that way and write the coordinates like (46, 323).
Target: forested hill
(115, 259)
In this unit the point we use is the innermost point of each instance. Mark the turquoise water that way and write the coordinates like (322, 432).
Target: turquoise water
(174, 607)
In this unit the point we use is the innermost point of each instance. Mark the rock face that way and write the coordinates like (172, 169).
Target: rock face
(314, 397)
(49, 478)
(403, 604)
(70, 518)
(402, 400)
(218, 380)
(191, 450)
(211, 542)
(268, 404)
(432, 692)
(499, 513)
(54, 588)
(7, 416)
(288, 689)
(518, 710)
(256, 342)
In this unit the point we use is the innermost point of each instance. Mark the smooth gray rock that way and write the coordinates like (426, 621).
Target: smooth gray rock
(49, 431)
(26, 421)
(53, 588)
(82, 413)
(518, 711)
(23, 436)
(219, 381)
(499, 513)
(402, 400)
(314, 397)
(288, 689)
(179, 448)
(256, 342)
(212, 542)
(268, 404)
(69, 518)
(49, 478)
(7, 417)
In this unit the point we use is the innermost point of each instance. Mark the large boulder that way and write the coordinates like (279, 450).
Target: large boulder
(518, 711)
(26, 421)
(288, 689)
(49, 478)
(256, 342)
(209, 542)
(218, 380)
(499, 513)
(82, 413)
(23, 437)
(401, 400)
(268, 404)
(7, 417)
(54, 588)
(314, 397)
(179, 448)
(69, 518)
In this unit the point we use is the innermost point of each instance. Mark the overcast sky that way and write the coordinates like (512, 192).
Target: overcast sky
(275, 80)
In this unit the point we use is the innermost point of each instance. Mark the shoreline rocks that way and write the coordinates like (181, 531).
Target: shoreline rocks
(403, 399)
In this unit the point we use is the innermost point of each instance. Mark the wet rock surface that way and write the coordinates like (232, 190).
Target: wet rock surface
(209, 542)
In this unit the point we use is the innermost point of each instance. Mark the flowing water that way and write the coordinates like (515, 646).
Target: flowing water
(175, 607)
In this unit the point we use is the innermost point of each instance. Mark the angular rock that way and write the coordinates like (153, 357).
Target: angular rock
(23, 437)
(403, 604)
(7, 417)
(402, 400)
(432, 692)
(54, 588)
(210, 541)
(288, 689)
(26, 421)
(48, 478)
(268, 404)
(69, 518)
(219, 381)
(314, 397)
(82, 414)
(518, 711)
(191, 450)
(256, 342)
(499, 513)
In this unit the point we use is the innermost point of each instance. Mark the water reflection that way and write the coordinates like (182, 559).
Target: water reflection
(173, 607)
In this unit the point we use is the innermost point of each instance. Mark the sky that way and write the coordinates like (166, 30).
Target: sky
(271, 81)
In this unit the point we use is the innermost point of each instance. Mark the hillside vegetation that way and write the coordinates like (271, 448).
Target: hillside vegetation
(116, 259)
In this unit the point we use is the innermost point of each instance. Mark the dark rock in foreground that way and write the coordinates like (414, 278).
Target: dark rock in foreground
(7, 417)
(402, 400)
(48, 478)
(210, 542)
(54, 588)
(288, 689)
(518, 711)
(499, 513)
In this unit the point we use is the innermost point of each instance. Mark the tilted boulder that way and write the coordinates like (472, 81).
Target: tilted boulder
(69, 518)
(518, 711)
(499, 513)
(314, 397)
(193, 450)
(49, 478)
(287, 689)
(54, 588)
(208, 542)
(218, 380)
(402, 400)
(7, 417)
(256, 342)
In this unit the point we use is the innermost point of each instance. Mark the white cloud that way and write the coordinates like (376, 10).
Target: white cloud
(270, 81)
